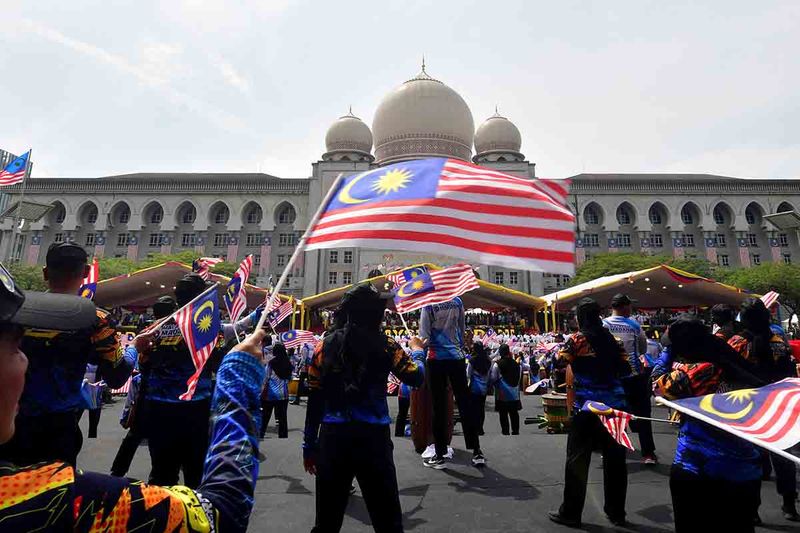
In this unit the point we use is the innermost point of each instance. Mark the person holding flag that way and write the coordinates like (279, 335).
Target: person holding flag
(715, 479)
(598, 363)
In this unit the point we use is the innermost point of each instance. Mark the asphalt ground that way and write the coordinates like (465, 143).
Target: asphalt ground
(522, 481)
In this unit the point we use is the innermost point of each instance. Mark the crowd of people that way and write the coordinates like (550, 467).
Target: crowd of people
(47, 342)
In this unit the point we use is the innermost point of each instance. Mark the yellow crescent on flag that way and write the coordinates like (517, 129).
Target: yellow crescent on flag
(208, 304)
(707, 405)
(344, 195)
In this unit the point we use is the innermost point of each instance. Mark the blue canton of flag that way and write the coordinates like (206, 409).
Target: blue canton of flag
(232, 292)
(406, 275)
(418, 285)
(199, 322)
(15, 171)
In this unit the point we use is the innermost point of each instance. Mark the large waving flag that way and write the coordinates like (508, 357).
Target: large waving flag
(434, 287)
(295, 338)
(203, 266)
(235, 297)
(615, 421)
(199, 323)
(450, 207)
(89, 286)
(558, 190)
(404, 276)
(768, 416)
(15, 171)
(278, 315)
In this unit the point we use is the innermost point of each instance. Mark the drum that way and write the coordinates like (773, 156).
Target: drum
(293, 386)
(556, 412)
(422, 417)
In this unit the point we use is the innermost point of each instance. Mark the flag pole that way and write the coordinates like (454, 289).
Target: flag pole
(28, 168)
(233, 322)
(403, 319)
(301, 246)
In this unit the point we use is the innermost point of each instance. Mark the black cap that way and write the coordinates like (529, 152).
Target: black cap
(361, 294)
(65, 255)
(619, 299)
(189, 287)
(164, 306)
(43, 310)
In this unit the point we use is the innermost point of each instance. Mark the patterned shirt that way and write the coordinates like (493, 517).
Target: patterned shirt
(57, 362)
(443, 325)
(703, 449)
(781, 356)
(593, 380)
(55, 496)
(275, 388)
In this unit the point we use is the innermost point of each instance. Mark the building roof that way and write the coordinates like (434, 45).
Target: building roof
(679, 184)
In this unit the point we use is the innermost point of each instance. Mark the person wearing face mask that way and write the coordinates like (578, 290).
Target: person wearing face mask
(54, 496)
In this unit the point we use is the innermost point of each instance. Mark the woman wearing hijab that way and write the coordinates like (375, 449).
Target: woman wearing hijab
(715, 479)
(505, 375)
(598, 362)
(772, 358)
(275, 396)
(478, 368)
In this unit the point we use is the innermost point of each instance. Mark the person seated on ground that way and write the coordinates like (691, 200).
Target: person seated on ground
(56, 496)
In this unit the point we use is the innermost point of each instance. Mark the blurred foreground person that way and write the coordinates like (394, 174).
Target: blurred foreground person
(347, 431)
(55, 497)
(51, 404)
(598, 362)
(715, 479)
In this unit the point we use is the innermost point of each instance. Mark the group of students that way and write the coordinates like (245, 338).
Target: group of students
(715, 479)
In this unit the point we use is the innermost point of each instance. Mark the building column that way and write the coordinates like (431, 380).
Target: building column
(775, 247)
(33, 249)
(133, 246)
(233, 247)
(613, 245)
(744, 251)
(100, 244)
(200, 242)
(167, 239)
(644, 242)
(677, 244)
(266, 256)
(711, 246)
(580, 252)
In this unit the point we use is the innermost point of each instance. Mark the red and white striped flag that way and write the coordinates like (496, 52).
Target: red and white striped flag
(451, 207)
(434, 287)
(89, 286)
(236, 293)
(15, 171)
(203, 266)
(558, 190)
(199, 323)
(276, 316)
(770, 299)
(614, 420)
(295, 338)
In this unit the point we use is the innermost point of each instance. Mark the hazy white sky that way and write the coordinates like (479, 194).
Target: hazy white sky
(111, 87)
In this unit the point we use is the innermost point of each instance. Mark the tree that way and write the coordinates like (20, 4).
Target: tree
(778, 277)
(28, 277)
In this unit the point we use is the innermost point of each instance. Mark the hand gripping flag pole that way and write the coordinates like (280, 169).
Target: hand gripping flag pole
(301, 246)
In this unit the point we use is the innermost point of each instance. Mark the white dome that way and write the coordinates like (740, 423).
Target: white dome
(422, 118)
(347, 135)
(497, 135)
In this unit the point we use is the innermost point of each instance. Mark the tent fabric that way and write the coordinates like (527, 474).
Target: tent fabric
(143, 287)
(652, 288)
(488, 296)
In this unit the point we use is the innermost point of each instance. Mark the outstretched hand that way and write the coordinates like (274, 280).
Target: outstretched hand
(252, 344)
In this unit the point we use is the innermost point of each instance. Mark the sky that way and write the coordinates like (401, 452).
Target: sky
(100, 88)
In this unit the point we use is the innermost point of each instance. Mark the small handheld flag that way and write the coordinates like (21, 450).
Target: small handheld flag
(236, 293)
(770, 299)
(15, 171)
(203, 266)
(89, 286)
(406, 275)
(436, 286)
(615, 421)
(295, 338)
(276, 316)
(199, 322)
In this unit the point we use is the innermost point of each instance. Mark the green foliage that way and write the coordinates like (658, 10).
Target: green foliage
(116, 266)
(225, 268)
(28, 277)
(619, 263)
(701, 267)
(766, 277)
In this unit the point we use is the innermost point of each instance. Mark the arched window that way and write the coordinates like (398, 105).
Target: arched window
(686, 216)
(60, 214)
(719, 216)
(188, 214)
(590, 215)
(749, 215)
(157, 215)
(123, 214)
(221, 215)
(253, 215)
(655, 216)
(286, 215)
(623, 215)
(784, 207)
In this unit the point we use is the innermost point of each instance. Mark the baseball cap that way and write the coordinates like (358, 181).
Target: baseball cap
(43, 310)
(620, 299)
(65, 255)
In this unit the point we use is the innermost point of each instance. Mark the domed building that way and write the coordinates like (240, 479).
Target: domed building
(231, 215)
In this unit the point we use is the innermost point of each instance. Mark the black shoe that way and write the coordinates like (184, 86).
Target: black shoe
(790, 513)
(619, 521)
(515, 432)
(478, 460)
(556, 517)
(436, 462)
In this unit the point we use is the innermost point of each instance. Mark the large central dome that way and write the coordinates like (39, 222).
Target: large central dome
(422, 118)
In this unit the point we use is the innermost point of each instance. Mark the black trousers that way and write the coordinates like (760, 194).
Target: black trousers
(637, 394)
(94, 421)
(454, 371)
(363, 451)
(127, 449)
(479, 403)
(585, 435)
(403, 405)
(280, 407)
(300, 386)
(702, 504)
(44, 438)
(178, 440)
(508, 413)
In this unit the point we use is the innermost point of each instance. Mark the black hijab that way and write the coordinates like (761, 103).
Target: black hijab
(509, 368)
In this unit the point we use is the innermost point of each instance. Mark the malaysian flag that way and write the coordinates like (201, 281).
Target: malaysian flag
(450, 207)
(89, 286)
(203, 266)
(199, 323)
(15, 171)
(558, 190)
(236, 292)
(276, 316)
(770, 299)
(615, 421)
(294, 338)
(435, 287)
(767, 416)
(405, 275)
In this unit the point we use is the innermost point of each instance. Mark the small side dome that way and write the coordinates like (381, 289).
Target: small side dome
(348, 139)
(498, 139)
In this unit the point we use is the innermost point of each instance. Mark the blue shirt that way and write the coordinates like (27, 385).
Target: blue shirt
(632, 336)
(443, 325)
(275, 388)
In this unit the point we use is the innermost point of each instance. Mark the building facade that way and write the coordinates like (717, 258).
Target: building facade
(232, 215)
